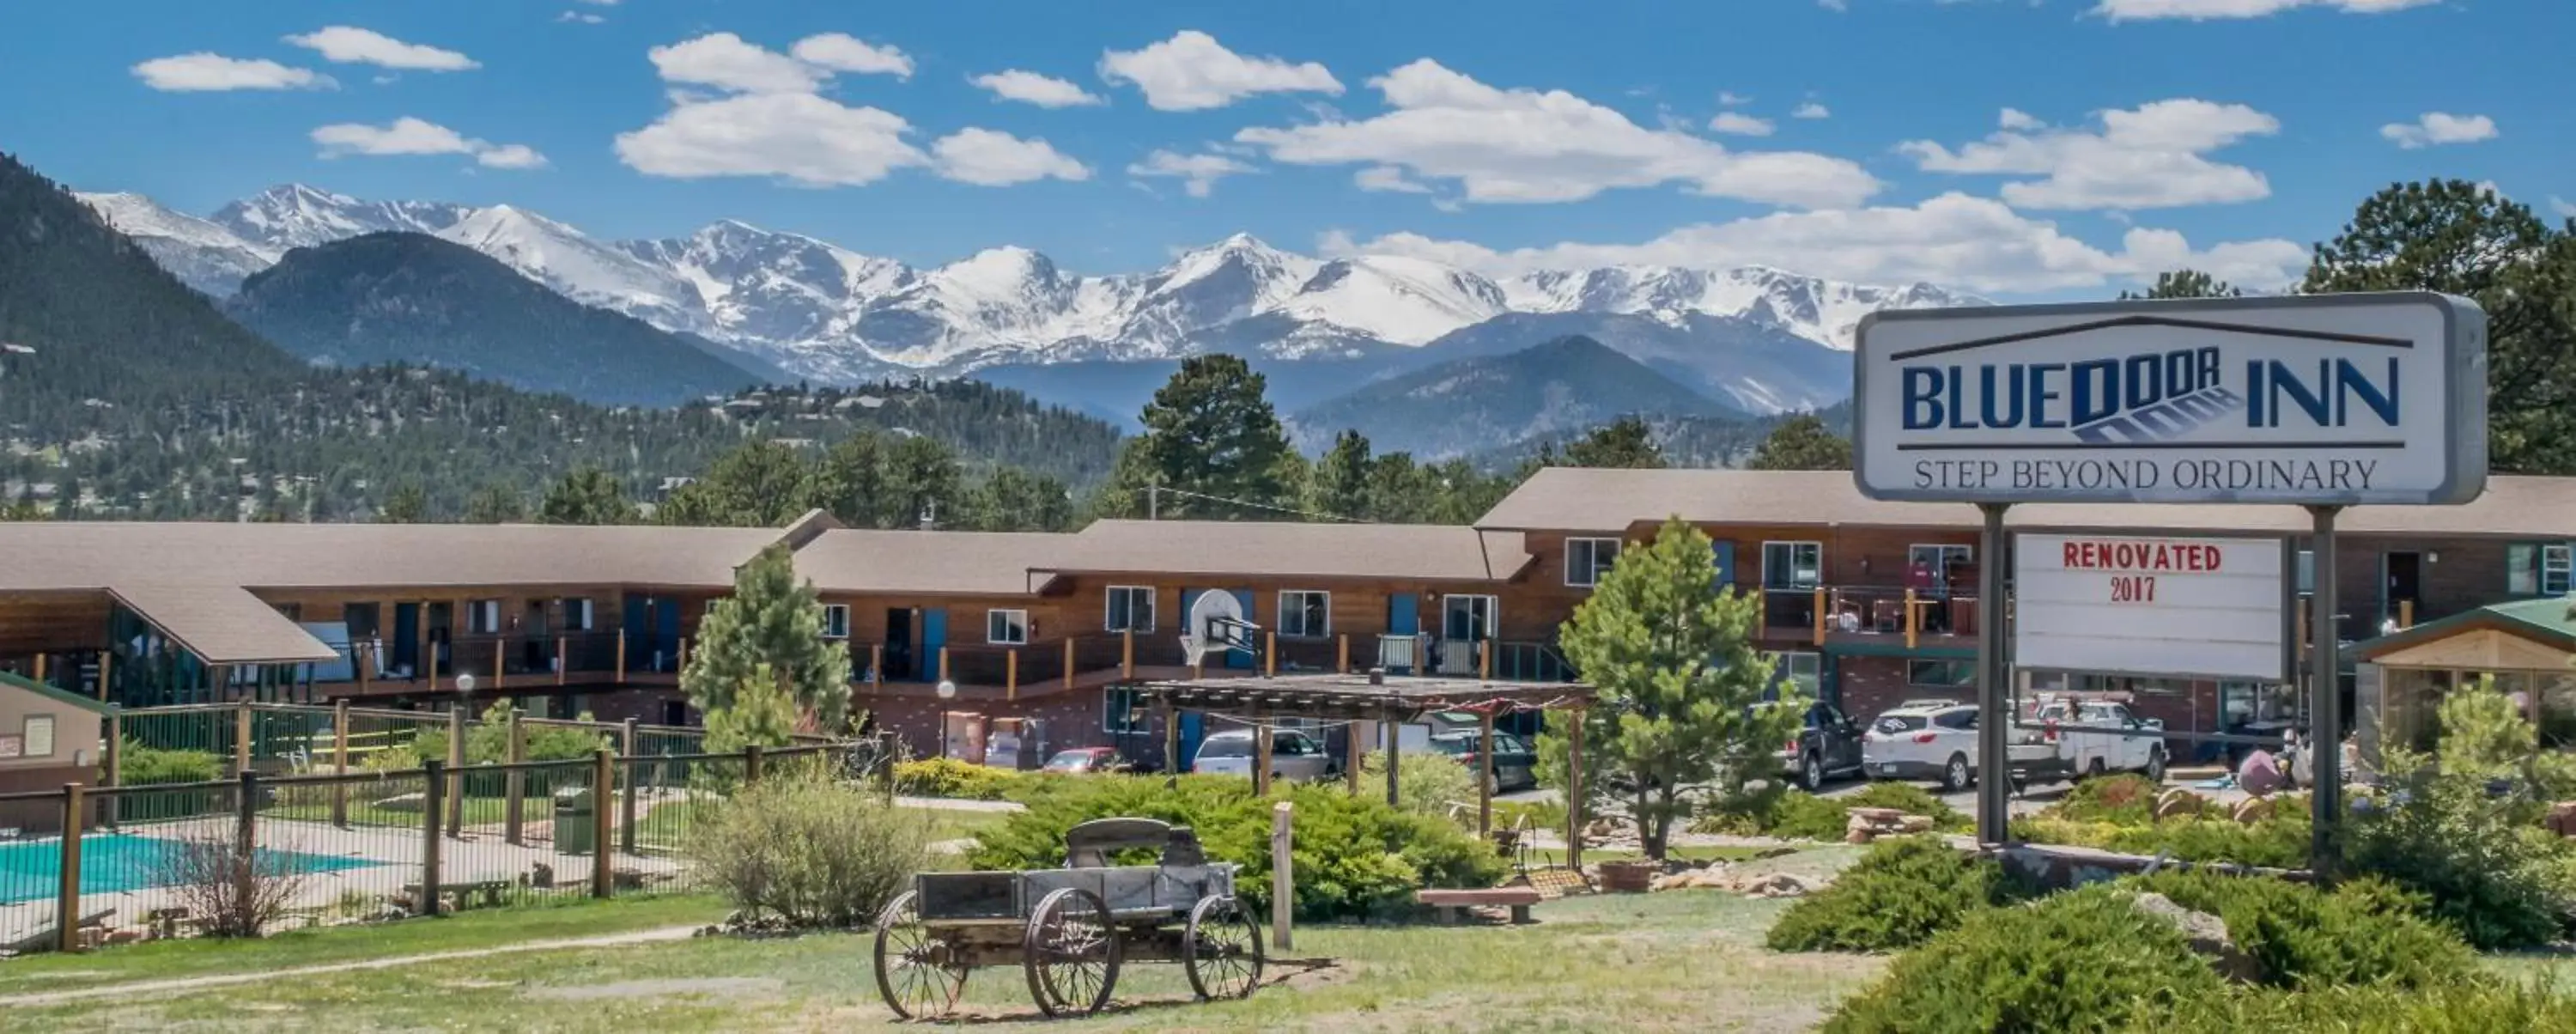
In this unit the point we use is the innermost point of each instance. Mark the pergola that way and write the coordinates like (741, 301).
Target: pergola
(1375, 697)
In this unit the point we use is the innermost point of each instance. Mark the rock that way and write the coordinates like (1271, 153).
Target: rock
(1776, 885)
(1782, 851)
(1914, 824)
(128, 935)
(2252, 810)
(2207, 935)
(2179, 802)
(1877, 815)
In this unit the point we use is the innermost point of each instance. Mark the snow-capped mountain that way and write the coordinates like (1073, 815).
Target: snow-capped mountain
(201, 254)
(825, 312)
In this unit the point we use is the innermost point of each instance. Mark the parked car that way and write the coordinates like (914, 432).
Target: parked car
(1088, 761)
(1937, 739)
(1514, 765)
(2089, 753)
(1827, 745)
(1293, 755)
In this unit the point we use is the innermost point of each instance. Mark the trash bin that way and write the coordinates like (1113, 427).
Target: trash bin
(576, 821)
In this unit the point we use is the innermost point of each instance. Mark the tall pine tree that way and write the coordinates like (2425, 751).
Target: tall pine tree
(586, 496)
(1209, 432)
(1802, 442)
(772, 623)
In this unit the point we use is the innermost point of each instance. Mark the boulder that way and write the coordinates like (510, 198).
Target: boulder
(2252, 810)
(2179, 803)
(1859, 831)
(1914, 824)
(1877, 815)
(128, 934)
(2207, 935)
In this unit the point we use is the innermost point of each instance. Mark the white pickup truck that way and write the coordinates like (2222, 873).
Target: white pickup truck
(2081, 751)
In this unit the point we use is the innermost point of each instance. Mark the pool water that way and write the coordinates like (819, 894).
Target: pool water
(118, 862)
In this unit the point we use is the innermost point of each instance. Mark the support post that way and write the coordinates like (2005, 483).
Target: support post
(246, 840)
(1127, 654)
(1172, 760)
(1485, 660)
(1574, 792)
(2406, 620)
(1011, 674)
(106, 665)
(943, 664)
(1269, 654)
(455, 769)
(1283, 878)
(1994, 676)
(626, 797)
(621, 655)
(40, 670)
(340, 761)
(1261, 747)
(1068, 664)
(241, 734)
(563, 658)
(67, 877)
(114, 767)
(751, 764)
(500, 662)
(603, 783)
(1355, 753)
(515, 784)
(876, 661)
(1820, 615)
(1485, 778)
(1394, 732)
(366, 666)
(2325, 705)
(1342, 654)
(433, 779)
(1913, 619)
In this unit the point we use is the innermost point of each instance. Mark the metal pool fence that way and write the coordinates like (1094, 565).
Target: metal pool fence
(130, 863)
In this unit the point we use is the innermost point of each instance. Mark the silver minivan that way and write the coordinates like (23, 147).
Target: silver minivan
(1293, 755)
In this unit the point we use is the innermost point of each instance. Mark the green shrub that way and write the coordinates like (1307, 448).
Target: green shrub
(945, 777)
(2127, 798)
(2080, 961)
(1354, 856)
(138, 765)
(2359, 934)
(487, 742)
(1798, 815)
(2498, 880)
(2468, 1007)
(808, 849)
(1898, 895)
(1427, 785)
(2279, 842)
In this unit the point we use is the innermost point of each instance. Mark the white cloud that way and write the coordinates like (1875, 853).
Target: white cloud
(789, 135)
(988, 158)
(198, 72)
(724, 61)
(842, 52)
(1045, 91)
(1740, 124)
(1387, 178)
(411, 136)
(1522, 145)
(1198, 173)
(1193, 72)
(584, 17)
(2206, 10)
(1730, 98)
(1955, 239)
(2151, 157)
(2562, 206)
(2439, 127)
(1812, 109)
(342, 44)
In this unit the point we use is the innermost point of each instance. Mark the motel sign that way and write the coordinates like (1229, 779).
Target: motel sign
(2316, 400)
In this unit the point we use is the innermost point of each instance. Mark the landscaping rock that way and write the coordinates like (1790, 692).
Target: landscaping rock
(128, 935)
(2207, 935)
(2252, 810)
(2179, 803)
(1868, 824)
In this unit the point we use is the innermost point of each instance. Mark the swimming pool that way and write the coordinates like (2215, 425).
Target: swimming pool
(112, 862)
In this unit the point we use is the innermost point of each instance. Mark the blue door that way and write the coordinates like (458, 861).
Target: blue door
(1252, 657)
(1403, 617)
(666, 633)
(934, 633)
(639, 631)
(1723, 557)
(406, 643)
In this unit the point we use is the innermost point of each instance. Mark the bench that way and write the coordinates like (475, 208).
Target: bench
(1453, 904)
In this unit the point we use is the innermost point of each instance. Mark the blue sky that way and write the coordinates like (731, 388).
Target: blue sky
(2042, 148)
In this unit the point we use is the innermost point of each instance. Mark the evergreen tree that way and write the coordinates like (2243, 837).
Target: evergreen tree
(496, 504)
(760, 714)
(1802, 443)
(404, 504)
(1342, 479)
(771, 628)
(922, 477)
(1011, 499)
(2185, 283)
(762, 484)
(1209, 431)
(1626, 443)
(586, 496)
(1671, 653)
(851, 483)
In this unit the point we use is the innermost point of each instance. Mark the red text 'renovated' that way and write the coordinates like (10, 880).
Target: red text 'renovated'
(2141, 556)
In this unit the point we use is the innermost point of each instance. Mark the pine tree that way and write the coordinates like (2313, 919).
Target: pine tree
(1671, 653)
(851, 482)
(496, 504)
(922, 478)
(1802, 443)
(404, 504)
(1211, 432)
(760, 715)
(1342, 479)
(772, 623)
(1626, 443)
(2185, 283)
(1011, 499)
(586, 496)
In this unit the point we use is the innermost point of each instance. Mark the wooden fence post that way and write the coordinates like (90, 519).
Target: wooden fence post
(1355, 752)
(340, 760)
(1261, 747)
(115, 767)
(1394, 757)
(1172, 760)
(751, 764)
(67, 878)
(433, 777)
(603, 783)
(1485, 660)
(246, 841)
(241, 736)
(106, 663)
(1269, 654)
(455, 769)
(626, 797)
(515, 783)
(1283, 880)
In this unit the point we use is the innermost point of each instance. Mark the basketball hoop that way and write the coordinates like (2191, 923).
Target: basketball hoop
(1215, 624)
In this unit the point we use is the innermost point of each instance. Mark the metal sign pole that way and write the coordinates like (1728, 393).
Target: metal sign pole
(2325, 702)
(1994, 683)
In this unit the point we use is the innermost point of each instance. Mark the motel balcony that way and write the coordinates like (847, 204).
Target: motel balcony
(1869, 613)
(1011, 671)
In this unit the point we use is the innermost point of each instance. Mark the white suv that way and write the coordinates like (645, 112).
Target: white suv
(1934, 739)
(1293, 755)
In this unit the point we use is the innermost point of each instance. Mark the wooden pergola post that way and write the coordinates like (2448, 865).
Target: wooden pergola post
(1485, 779)
(1171, 719)
(1394, 754)
(1574, 791)
(1260, 754)
(1355, 750)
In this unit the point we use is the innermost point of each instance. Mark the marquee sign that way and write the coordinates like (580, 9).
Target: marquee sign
(2211, 608)
(2319, 400)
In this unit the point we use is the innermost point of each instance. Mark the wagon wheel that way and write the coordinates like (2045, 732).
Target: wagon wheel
(1071, 953)
(1222, 949)
(914, 969)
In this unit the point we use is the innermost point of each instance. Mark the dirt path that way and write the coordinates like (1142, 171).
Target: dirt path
(154, 987)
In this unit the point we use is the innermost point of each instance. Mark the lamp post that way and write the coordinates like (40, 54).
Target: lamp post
(946, 691)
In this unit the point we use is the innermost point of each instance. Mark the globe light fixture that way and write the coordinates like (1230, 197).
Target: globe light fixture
(947, 690)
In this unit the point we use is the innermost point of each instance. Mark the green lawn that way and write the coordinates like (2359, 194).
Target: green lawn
(668, 823)
(1683, 961)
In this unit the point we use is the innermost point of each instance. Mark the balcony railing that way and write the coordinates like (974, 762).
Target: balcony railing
(1815, 614)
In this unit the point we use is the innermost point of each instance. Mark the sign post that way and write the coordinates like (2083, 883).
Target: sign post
(2317, 401)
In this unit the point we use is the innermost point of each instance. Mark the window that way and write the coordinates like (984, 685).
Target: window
(1793, 565)
(1942, 565)
(1467, 618)
(1963, 718)
(1806, 670)
(2307, 572)
(712, 601)
(483, 617)
(1586, 560)
(836, 621)
(1119, 713)
(578, 615)
(1131, 608)
(2554, 565)
(1941, 674)
(40, 736)
(1006, 627)
(1305, 613)
(2538, 568)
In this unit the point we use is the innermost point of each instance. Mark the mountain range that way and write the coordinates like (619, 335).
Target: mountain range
(1457, 408)
(1757, 339)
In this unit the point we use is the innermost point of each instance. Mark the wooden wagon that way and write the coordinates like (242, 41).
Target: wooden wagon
(1070, 929)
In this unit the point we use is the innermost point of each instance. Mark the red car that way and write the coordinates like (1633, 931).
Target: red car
(1087, 761)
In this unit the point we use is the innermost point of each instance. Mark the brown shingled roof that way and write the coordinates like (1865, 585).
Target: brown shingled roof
(975, 562)
(93, 555)
(222, 624)
(1591, 499)
(1433, 552)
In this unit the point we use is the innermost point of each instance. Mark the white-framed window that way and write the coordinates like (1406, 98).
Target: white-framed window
(836, 621)
(483, 617)
(1586, 560)
(1006, 627)
(40, 736)
(1305, 612)
(2539, 568)
(1793, 565)
(1121, 712)
(1130, 609)
(1802, 669)
(578, 614)
(1468, 618)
